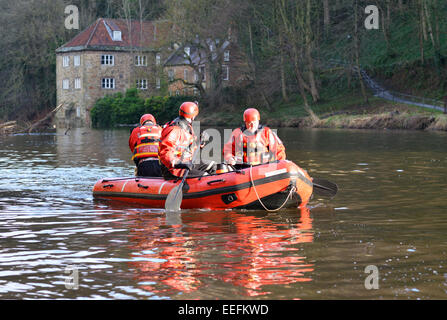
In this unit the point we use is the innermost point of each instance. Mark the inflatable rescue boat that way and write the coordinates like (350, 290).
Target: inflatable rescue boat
(269, 186)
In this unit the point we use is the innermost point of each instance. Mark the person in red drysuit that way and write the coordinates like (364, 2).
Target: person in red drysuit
(143, 142)
(253, 143)
(178, 144)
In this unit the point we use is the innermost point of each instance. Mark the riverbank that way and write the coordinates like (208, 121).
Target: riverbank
(377, 114)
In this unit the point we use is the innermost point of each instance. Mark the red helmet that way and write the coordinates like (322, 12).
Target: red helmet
(189, 110)
(251, 114)
(147, 117)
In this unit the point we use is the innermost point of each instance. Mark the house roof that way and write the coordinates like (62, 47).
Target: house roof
(146, 35)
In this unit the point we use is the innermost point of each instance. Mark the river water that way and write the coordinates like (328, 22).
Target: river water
(384, 236)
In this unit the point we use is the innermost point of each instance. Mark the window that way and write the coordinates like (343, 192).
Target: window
(225, 73)
(108, 83)
(78, 83)
(185, 91)
(77, 61)
(187, 51)
(142, 84)
(196, 76)
(117, 36)
(66, 61)
(171, 75)
(177, 92)
(78, 111)
(185, 74)
(140, 60)
(66, 84)
(158, 83)
(196, 92)
(158, 59)
(107, 60)
(202, 71)
(227, 56)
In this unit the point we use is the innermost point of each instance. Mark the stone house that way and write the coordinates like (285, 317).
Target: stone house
(113, 55)
(189, 65)
(110, 56)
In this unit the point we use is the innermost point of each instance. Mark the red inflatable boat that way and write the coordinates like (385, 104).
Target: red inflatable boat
(269, 186)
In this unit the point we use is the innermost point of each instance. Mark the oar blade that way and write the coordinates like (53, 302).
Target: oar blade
(324, 187)
(174, 199)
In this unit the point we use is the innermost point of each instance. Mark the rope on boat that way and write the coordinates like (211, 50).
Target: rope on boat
(293, 189)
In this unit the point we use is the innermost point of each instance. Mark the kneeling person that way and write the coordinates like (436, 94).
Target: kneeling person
(253, 144)
(143, 142)
(178, 144)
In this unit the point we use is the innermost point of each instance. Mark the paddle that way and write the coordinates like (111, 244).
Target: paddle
(175, 196)
(324, 187)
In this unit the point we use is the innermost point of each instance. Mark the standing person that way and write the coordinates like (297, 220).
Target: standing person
(143, 142)
(178, 144)
(253, 143)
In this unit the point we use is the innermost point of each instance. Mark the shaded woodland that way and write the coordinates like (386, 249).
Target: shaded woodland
(295, 50)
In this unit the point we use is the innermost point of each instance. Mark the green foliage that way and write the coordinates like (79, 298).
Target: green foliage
(116, 109)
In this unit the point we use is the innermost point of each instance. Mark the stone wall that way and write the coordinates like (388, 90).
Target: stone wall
(78, 102)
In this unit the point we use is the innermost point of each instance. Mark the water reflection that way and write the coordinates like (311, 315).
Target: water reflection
(245, 250)
(389, 212)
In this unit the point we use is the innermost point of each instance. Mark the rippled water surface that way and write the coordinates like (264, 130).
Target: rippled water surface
(390, 213)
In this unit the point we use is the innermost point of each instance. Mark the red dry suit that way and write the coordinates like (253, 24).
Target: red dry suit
(177, 145)
(262, 146)
(144, 141)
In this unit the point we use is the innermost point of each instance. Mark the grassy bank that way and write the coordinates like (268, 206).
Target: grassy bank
(343, 111)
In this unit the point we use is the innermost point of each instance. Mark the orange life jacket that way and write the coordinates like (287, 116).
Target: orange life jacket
(147, 142)
(250, 148)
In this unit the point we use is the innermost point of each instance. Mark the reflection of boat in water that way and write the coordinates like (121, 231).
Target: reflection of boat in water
(276, 184)
(204, 253)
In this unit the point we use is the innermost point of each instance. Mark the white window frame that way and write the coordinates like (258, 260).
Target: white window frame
(177, 92)
(141, 61)
(225, 73)
(77, 84)
(227, 55)
(157, 59)
(141, 84)
(107, 60)
(157, 83)
(66, 84)
(77, 61)
(108, 83)
(78, 111)
(187, 51)
(66, 61)
(202, 70)
(171, 74)
(185, 74)
(117, 36)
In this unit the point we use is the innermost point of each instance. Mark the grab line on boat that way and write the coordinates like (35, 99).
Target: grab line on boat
(122, 189)
(161, 187)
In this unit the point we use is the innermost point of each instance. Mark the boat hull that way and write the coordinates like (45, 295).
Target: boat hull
(277, 184)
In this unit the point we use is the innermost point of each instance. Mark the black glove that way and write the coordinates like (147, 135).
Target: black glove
(183, 165)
